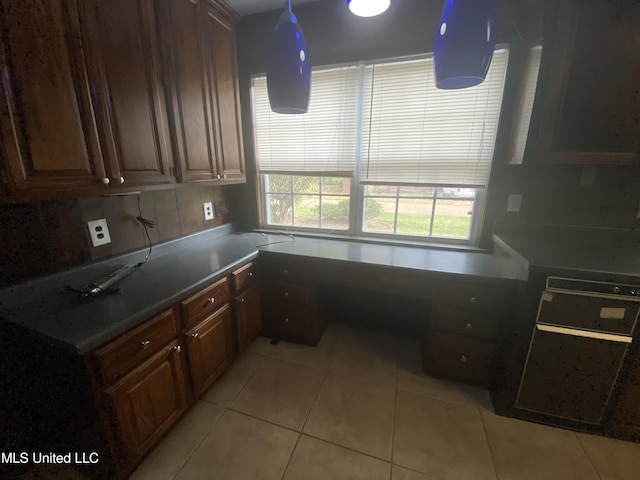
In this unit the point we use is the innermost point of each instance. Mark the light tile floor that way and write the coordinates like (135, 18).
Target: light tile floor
(358, 407)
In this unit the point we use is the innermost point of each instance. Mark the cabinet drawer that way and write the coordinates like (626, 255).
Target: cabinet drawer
(473, 296)
(290, 293)
(283, 270)
(293, 323)
(243, 277)
(205, 302)
(466, 322)
(458, 357)
(140, 343)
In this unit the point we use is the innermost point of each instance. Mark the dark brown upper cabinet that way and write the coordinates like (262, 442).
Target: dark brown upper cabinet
(589, 106)
(106, 97)
(130, 105)
(200, 62)
(49, 135)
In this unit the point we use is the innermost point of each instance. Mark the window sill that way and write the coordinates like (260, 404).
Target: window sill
(376, 240)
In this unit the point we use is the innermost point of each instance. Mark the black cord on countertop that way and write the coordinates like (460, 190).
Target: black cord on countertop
(146, 224)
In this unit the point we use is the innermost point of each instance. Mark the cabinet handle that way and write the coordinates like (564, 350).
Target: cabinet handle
(211, 301)
(106, 181)
(463, 358)
(286, 294)
(250, 274)
(286, 320)
(119, 180)
(468, 325)
(195, 335)
(218, 176)
(177, 348)
(241, 300)
(473, 299)
(195, 2)
(146, 344)
(286, 271)
(224, 176)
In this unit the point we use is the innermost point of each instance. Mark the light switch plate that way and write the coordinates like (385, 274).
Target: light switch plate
(208, 210)
(99, 232)
(514, 202)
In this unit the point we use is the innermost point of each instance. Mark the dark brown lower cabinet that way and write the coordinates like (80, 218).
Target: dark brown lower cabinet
(624, 421)
(147, 401)
(248, 316)
(209, 350)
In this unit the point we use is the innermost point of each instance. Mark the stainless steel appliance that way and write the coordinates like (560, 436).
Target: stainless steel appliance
(582, 332)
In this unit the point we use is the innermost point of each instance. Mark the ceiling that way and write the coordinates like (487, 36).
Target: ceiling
(247, 7)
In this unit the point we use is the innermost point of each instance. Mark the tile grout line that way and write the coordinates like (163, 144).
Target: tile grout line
(335, 444)
(393, 428)
(293, 451)
(486, 436)
(199, 443)
(595, 469)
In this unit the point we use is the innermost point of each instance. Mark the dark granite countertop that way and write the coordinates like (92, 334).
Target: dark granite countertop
(595, 251)
(468, 263)
(175, 270)
(181, 267)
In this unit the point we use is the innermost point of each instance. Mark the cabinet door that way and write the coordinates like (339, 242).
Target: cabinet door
(208, 349)
(131, 108)
(625, 417)
(591, 104)
(49, 135)
(221, 50)
(189, 78)
(248, 316)
(148, 401)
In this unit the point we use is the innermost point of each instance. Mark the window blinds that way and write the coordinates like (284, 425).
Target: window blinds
(414, 133)
(321, 141)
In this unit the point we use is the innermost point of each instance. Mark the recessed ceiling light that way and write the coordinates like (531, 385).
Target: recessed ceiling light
(368, 8)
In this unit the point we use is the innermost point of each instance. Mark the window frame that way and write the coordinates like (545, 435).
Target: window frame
(357, 190)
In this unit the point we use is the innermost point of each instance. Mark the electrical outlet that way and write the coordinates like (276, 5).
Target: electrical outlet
(208, 210)
(99, 232)
(514, 202)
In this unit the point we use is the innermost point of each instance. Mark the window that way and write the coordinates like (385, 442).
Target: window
(381, 152)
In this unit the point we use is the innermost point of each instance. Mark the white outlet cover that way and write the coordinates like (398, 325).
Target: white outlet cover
(514, 202)
(99, 232)
(208, 210)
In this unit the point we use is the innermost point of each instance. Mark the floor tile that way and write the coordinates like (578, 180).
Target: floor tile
(428, 386)
(316, 357)
(172, 453)
(229, 385)
(613, 459)
(400, 473)
(365, 356)
(241, 448)
(354, 414)
(315, 459)
(280, 392)
(441, 439)
(526, 450)
(261, 346)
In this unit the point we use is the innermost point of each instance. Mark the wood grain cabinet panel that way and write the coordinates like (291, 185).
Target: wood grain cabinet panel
(203, 303)
(248, 316)
(50, 145)
(131, 108)
(147, 401)
(221, 42)
(591, 70)
(208, 351)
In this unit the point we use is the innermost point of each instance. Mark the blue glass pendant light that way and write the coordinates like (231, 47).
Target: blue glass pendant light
(368, 8)
(289, 70)
(464, 43)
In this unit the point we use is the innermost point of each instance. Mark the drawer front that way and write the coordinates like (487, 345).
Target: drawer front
(205, 302)
(283, 270)
(244, 277)
(131, 348)
(288, 322)
(466, 322)
(290, 293)
(473, 296)
(458, 357)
